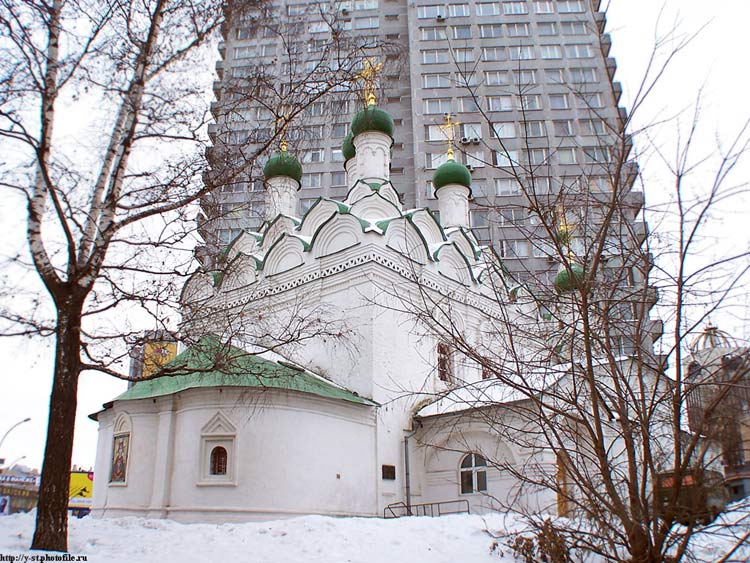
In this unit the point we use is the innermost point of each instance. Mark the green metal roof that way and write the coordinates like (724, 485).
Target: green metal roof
(209, 363)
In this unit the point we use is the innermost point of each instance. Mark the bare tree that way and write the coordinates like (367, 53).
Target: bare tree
(108, 213)
(570, 376)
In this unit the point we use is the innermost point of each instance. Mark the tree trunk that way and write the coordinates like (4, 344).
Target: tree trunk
(51, 531)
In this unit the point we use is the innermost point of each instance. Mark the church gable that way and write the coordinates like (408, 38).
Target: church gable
(219, 425)
(336, 234)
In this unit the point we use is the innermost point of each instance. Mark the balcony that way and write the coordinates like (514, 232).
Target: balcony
(617, 91)
(606, 43)
(611, 67)
(601, 20)
(640, 231)
(655, 328)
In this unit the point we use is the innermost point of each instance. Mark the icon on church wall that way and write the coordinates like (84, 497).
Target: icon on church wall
(119, 458)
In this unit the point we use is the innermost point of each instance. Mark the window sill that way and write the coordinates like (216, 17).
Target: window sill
(216, 483)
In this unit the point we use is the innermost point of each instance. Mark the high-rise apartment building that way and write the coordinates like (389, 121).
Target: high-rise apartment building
(529, 81)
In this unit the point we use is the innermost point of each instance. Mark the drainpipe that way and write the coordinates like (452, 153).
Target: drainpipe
(407, 474)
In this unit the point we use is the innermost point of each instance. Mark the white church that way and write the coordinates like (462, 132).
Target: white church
(372, 421)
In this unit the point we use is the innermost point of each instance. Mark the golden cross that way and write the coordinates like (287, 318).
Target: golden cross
(449, 130)
(565, 229)
(281, 124)
(369, 76)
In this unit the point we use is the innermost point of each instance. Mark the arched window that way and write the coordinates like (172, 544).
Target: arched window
(218, 461)
(473, 474)
(444, 362)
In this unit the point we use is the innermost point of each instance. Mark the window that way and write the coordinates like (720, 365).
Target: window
(425, 12)
(582, 75)
(312, 180)
(546, 28)
(515, 8)
(571, 7)
(318, 27)
(535, 129)
(521, 53)
(370, 22)
(594, 155)
(218, 461)
(436, 159)
(442, 80)
(505, 158)
(496, 78)
(505, 130)
(474, 158)
(366, 4)
(536, 157)
(226, 236)
(305, 204)
(507, 186)
(458, 10)
(434, 133)
(544, 7)
(339, 130)
(461, 32)
(593, 127)
(490, 54)
(600, 184)
(499, 103)
(473, 474)
(471, 130)
(543, 248)
(244, 52)
(433, 34)
(388, 472)
(549, 52)
(566, 156)
(337, 155)
(437, 105)
(541, 185)
(435, 56)
(467, 105)
(579, 51)
(558, 101)
(590, 101)
(554, 76)
(463, 55)
(511, 217)
(513, 248)
(574, 28)
(296, 9)
(490, 30)
(314, 155)
(444, 362)
(564, 128)
(338, 179)
(531, 102)
(518, 30)
(525, 77)
(488, 9)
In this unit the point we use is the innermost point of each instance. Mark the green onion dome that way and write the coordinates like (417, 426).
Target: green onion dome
(372, 118)
(451, 172)
(283, 164)
(347, 148)
(565, 282)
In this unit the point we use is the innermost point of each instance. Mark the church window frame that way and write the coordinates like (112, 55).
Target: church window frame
(218, 461)
(218, 452)
(472, 474)
(121, 446)
(445, 364)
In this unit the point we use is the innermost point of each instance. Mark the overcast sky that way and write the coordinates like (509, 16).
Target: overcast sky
(716, 61)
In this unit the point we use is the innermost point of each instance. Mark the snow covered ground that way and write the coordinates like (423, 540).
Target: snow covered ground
(450, 539)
